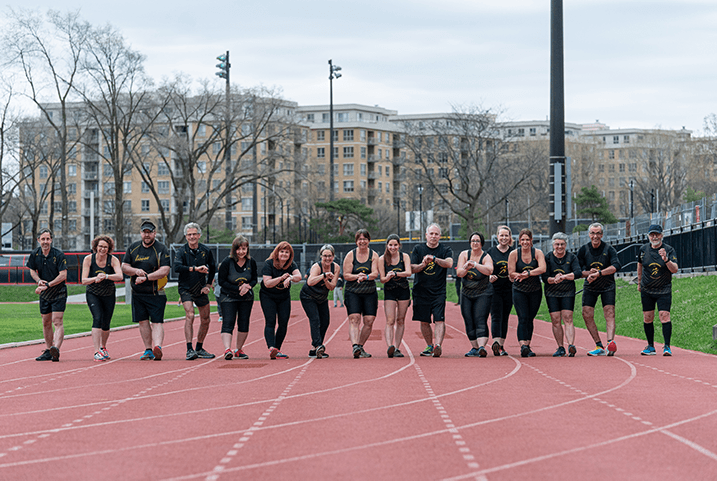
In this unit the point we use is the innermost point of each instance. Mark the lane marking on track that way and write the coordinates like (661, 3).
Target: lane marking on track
(667, 373)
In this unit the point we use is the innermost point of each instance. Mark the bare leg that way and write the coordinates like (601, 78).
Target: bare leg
(204, 321)
(569, 326)
(227, 340)
(664, 316)
(366, 329)
(557, 328)
(188, 320)
(241, 338)
(389, 308)
(439, 332)
(354, 328)
(427, 332)
(609, 312)
(400, 321)
(157, 333)
(59, 329)
(145, 331)
(589, 318)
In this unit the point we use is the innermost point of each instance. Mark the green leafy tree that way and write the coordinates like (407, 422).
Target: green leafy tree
(692, 195)
(591, 203)
(339, 217)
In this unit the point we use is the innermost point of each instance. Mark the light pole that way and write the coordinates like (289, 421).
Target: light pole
(223, 73)
(632, 193)
(420, 209)
(333, 73)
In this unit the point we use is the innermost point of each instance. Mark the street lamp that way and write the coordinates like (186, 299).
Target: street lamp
(333, 73)
(632, 193)
(420, 209)
(223, 73)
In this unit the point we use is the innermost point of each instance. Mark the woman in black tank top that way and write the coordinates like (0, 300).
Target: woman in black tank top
(314, 298)
(502, 301)
(394, 268)
(474, 268)
(525, 265)
(361, 299)
(100, 271)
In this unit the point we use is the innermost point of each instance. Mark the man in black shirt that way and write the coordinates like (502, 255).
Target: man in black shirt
(656, 263)
(430, 264)
(49, 269)
(599, 263)
(194, 263)
(147, 262)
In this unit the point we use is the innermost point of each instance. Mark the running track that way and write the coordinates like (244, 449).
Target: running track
(626, 417)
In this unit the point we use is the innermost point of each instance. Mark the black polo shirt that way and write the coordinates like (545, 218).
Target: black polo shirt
(48, 268)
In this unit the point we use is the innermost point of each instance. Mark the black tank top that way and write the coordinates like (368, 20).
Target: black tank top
(318, 292)
(475, 283)
(363, 287)
(500, 268)
(106, 287)
(395, 282)
(531, 284)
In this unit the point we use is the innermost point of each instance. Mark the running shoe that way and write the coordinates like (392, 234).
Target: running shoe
(281, 355)
(104, 352)
(648, 351)
(363, 353)
(204, 354)
(228, 354)
(598, 351)
(312, 353)
(99, 356)
(239, 354)
(391, 351)
(428, 351)
(611, 348)
(437, 351)
(320, 351)
(45, 356)
(472, 353)
(482, 352)
(157, 351)
(496, 348)
(191, 354)
(560, 352)
(357, 351)
(147, 356)
(398, 353)
(525, 351)
(273, 352)
(502, 351)
(666, 351)
(220, 320)
(55, 353)
(572, 351)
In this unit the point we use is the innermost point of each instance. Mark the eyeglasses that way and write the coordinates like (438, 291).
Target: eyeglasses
(475, 242)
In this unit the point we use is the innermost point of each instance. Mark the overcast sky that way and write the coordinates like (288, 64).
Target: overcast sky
(628, 63)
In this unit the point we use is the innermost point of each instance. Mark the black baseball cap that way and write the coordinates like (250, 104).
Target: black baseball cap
(655, 228)
(148, 225)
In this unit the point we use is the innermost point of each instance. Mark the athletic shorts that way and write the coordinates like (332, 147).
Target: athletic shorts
(590, 298)
(201, 300)
(663, 301)
(365, 304)
(397, 295)
(148, 308)
(429, 310)
(557, 304)
(55, 305)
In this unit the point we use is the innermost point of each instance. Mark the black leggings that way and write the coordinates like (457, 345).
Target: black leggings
(318, 314)
(527, 305)
(275, 310)
(236, 313)
(475, 315)
(500, 311)
(101, 308)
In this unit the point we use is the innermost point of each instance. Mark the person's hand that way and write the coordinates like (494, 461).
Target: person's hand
(202, 269)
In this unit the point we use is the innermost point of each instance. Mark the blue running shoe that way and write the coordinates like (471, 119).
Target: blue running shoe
(428, 351)
(147, 356)
(598, 351)
(648, 351)
(472, 353)
(666, 351)
(560, 352)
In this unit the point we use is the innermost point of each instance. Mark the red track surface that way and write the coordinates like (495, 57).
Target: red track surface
(626, 417)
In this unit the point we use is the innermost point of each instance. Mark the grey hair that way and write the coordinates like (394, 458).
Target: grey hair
(597, 225)
(433, 224)
(560, 236)
(327, 247)
(192, 225)
(45, 231)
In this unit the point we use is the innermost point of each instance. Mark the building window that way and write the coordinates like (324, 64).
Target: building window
(622, 167)
(611, 154)
(363, 152)
(162, 169)
(71, 170)
(348, 185)
(127, 187)
(336, 135)
(202, 167)
(362, 135)
(363, 185)
(348, 152)
(43, 172)
(309, 118)
(163, 187)
(144, 189)
(601, 167)
(380, 170)
(321, 152)
(247, 204)
(72, 206)
(348, 170)
(343, 117)
(348, 135)
(626, 139)
(165, 204)
(615, 140)
(322, 169)
(145, 205)
(325, 118)
(363, 170)
(336, 152)
(532, 131)
(72, 188)
(388, 187)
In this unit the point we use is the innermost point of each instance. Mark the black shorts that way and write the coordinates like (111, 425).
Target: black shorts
(557, 304)
(201, 300)
(663, 301)
(55, 305)
(590, 298)
(397, 294)
(148, 308)
(365, 304)
(429, 310)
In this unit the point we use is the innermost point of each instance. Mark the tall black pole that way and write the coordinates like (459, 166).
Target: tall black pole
(228, 151)
(331, 131)
(557, 120)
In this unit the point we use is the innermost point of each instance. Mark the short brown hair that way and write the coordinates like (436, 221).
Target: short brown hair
(527, 232)
(239, 241)
(106, 238)
(362, 232)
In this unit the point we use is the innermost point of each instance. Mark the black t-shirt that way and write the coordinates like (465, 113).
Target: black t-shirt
(48, 268)
(194, 282)
(430, 283)
(232, 276)
(602, 257)
(656, 277)
(564, 265)
(279, 292)
(149, 259)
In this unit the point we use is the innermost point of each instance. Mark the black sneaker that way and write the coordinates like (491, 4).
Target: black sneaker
(571, 351)
(526, 352)
(357, 351)
(202, 354)
(55, 354)
(482, 352)
(312, 353)
(192, 354)
(391, 351)
(496, 348)
(397, 353)
(45, 356)
(363, 353)
(560, 352)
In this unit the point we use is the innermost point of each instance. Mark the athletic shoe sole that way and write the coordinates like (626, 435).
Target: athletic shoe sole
(157, 351)
(496, 348)
(55, 353)
(611, 348)
(391, 351)
(228, 354)
(273, 352)
(482, 352)
(572, 351)
(320, 352)
(437, 350)
(357, 352)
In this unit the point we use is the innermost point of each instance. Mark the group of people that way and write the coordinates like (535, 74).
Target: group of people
(493, 281)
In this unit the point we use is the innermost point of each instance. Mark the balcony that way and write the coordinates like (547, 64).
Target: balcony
(373, 158)
(373, 175)
(372, 141)
(86, 194)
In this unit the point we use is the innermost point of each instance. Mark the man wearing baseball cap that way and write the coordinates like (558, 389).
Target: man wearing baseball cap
(656, 262)
(147, 262)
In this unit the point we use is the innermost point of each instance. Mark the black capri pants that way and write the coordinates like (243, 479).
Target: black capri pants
(500, 308)
(318, 314)
(236, 313)
(101, 308)
(276, 311)
(527, 305)
(475, 315)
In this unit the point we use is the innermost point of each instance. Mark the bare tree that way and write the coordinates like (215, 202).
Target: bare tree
(467, 162)
(665, 158)
(48, 49)
(8, 148)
